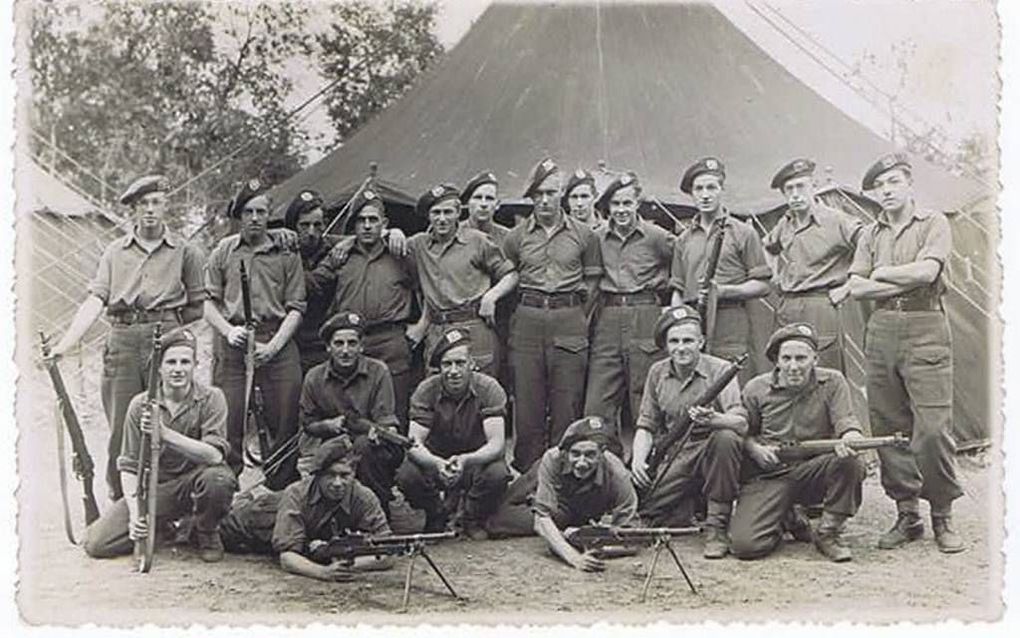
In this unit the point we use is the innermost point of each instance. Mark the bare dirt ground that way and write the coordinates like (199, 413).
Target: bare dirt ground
(503, 581)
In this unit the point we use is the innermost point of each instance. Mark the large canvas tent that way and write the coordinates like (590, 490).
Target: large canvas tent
(651, 87)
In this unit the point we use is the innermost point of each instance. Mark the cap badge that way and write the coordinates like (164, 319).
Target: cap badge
(888, 161)
(454, 336)
(437, 191)
(307, 196)
(490, 176)
(163, 184)
(679, 313)
(254, 184)
(711, 164)
(547, 164)
(595, 423)
(353, 319)
(579, 174)
(800, 165)
(804, 330)
(625, 180)
(368, 195)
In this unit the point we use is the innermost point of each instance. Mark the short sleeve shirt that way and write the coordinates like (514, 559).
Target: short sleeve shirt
(460, 271)
(305, 514)
(815, 254)
(666, 395)
(553, 262)
(374, 283)
(129, 277)
(926, 235)
(495, 232)
(569, 502)
(777, 413)
(276, 278)
(455, 423)
(638, 262)
(741, 257)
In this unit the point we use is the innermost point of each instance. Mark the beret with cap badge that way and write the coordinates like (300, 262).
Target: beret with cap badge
(435, 195)
(143, 186)
(792, 332)
(248, 191)
(342, 320)
(451, 339)
(539, 173)
(796, 168)
(485, 177)
(883, 164)
(705, 166)
(672, 317)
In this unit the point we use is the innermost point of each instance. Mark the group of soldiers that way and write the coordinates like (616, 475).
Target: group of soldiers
(548, 346)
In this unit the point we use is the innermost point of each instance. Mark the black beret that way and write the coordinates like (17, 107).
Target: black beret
(364, 198)
(330, 451)
(794, 331)
(884, 163)
(578, 177)
(480, 179)
(248, 191)
(539, 173)
(590, 428)
(621, 181)
(342, 320)
(708, 165)
(796, 168)
(144, 186)
(672, 317)
(306, 201)
(435, 195)
(451, 339)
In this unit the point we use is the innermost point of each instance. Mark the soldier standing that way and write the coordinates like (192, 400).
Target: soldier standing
(579, 198)
(481, 197)
(149, 276)
(899, 263)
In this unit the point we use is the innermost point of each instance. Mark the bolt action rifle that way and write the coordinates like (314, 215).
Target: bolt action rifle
(791, 451)
(256, 445)
(81, 461)
(148, 457)
(708, 300)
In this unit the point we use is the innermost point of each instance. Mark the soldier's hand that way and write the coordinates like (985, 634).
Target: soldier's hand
(586, 562)
(237, 336)
(414, 335)
(138, 530)
(487, 309)
(841, 449)
(264, 353)
(145, 422)
(764, 456)
(640, 473)
(839, 294)
(702, 415)
(396, 242)
(336, 572)
(338, 425)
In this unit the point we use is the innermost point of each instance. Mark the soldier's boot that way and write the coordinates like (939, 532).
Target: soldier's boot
(717, 544)
(474, 530)
(908, 526)
(210, 546)
(948, 540)
(798, 525)
(435, 519)
(828, 539)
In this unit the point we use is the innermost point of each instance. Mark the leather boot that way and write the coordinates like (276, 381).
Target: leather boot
(210, 547)
(828, 539)
(908, 527)
(717, 544)
(948, 540)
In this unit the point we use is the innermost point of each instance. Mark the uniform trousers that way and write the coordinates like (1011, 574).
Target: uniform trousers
(756, 526)
(389, 344)
(483, 487)
(731, 337)
(817, 310)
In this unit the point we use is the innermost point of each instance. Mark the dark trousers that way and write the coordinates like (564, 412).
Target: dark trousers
(205, 492)
(732, 337)
(125, 374)
(756, 525)
(390, 346)
(377, 467)
(549, 354)
(710, 468)
(483, 487)
(817, 310)
(248, 528)
(280, 382)
(910, 390)
(485, 348)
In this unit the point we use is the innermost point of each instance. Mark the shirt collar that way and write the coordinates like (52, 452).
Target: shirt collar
(533, 223)
(168, 238)
(458, 236)
(470, 392)
(197, 394)
(638, 227)
(812, 217)
(915, 212)
(360, 369)
(700, 369)
(721, 219)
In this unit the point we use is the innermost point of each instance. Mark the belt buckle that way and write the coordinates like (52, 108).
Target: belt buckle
(547, 301)
(898, 303)
(623, 300)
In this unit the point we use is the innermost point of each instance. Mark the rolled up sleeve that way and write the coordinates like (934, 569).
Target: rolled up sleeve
(213, 425)
(294, 283)
(938, 240)
(754, 257)
(100, 284)
(841, 413)
(547, 500)
(289, 532)
(863, 263)
(128, 459)
(193, 275)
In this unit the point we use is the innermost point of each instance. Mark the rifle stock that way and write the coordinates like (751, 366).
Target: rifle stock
(256, 444)
(798, 450)
(148, 457)
(707, 291)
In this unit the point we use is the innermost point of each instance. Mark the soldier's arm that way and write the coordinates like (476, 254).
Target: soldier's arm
(209, 449)
(914, 274)
(495, 441)
(285, 332)
(865, 288)
(750, 289)
(419, 453)
(86, 315)
(546, 528)
(758, 271)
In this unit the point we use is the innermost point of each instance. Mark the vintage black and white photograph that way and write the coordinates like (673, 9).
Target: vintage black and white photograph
(507, 311)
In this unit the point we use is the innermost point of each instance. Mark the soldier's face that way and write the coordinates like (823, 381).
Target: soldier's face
(310, 226)
(683, 343)
(583, 458)
(482, 203)
(150, 209)
(581, 201)
(455, 366)
(443, 217)
(706, 191)
(178, 368)
(345, 348)
(795, 361)
(336, 480)
(369, 225)
(894, 189)
(255, 216)
(799, 193)
(547, 198)
(623, 207)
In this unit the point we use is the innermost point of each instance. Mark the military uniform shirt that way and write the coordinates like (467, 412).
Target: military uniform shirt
(741, 257)
(317, 304)
(306, 514)
(367, 393)
(926, 235)
(131, 278)
(375, 284)
(639, 262)
(455, 425)
(556, 262)
(608, 491)
(275, 274)
(458, 272)
(777, 413)
(666, 395)
(814, 255)
(496, 232)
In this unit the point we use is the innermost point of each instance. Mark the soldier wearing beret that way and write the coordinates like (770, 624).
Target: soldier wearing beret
(328, 503)
(579, 199)
(193, 477)
(814, 244)
(149, 276)
(457, 419)
(709, 460)
(350, 392)
(365, 276)
(306, 217)
(277, 286)
(798, 401)
(742, 273)
(576, 482)
(558, 262)
(899, 264)
(463, 274)
(636, 257)
(481, 198)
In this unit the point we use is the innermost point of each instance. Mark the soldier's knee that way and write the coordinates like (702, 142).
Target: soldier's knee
(100, 546)
(217, 484)
(726, 439)
(748, 546)
(852, 467)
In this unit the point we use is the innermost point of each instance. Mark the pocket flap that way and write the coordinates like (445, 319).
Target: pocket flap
(575, 344)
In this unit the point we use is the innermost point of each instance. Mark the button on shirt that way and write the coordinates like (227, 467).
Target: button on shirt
(638, 262)
(557, 261)
(926, 235)
(275, 277)
(562, 497)
(741, 257)
(815, 254)
(306, 514)
(459, 271)
(667, 395)
(455, 423)
(201, 416)
(372, 282)
(129, 277)
(778, 413)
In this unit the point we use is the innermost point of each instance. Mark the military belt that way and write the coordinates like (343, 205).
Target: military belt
(641, 298)
(551, 300)
(132, 317)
